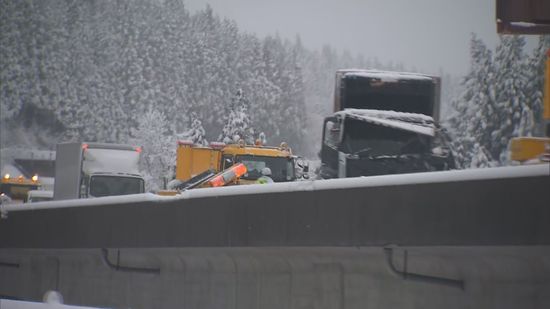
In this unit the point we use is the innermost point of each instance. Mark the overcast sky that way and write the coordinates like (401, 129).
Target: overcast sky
(425, 34)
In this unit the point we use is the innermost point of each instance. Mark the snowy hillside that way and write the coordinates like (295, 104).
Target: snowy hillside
(143, 71)
(92, 68)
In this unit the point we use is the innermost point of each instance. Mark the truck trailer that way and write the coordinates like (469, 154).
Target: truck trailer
(84, 170)
(386, 90)
(384, 123)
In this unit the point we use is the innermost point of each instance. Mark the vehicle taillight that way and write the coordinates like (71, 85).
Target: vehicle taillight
(84, 146)
(138, 149)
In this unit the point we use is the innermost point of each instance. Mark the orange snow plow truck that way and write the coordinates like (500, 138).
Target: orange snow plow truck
(196, 163)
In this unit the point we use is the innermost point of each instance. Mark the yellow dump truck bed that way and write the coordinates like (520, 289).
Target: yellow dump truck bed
(192, 160)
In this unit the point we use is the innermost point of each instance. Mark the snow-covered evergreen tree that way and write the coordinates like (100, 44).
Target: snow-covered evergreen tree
(480, 157)
(513, 117)
(501, 100)
(262, 138)
(158, 152)
(238, 125)
(197, 133)
(472, 123)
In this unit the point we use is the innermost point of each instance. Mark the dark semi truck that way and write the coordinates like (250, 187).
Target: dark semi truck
(384, 123)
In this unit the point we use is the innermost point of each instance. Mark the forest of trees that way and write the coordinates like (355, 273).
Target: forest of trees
(152, 72)
(98, 70)
(96, 66)
(501, 99)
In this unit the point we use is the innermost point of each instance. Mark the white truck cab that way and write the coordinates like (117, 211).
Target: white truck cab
(85, 170)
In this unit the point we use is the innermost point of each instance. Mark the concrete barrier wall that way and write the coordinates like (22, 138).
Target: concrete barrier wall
(513, 211)
(242, 278)
(470, 244)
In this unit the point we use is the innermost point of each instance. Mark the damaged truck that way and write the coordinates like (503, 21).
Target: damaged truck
(384, 123)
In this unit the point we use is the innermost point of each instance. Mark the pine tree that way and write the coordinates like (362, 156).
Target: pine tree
(513, 116)
(473, 123)
(158, 155)
(238, 126)
(262, 138)
(480, 157)
(197, 133)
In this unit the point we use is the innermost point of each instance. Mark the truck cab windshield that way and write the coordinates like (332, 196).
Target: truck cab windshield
(282, 169)
(115, 185)
(369, 140)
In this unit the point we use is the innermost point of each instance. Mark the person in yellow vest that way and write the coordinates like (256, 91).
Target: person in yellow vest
(266, 176)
